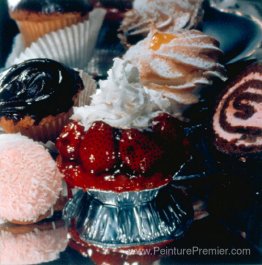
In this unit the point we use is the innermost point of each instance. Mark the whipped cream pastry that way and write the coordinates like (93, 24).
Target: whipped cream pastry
(166, 15)
(178, 64)
(237, 122)
(122, 101)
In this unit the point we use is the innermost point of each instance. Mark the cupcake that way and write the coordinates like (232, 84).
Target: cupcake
(237, 121)
(37, 18)
(37, 96)
(165, 15)
(178, 65)
(32, 244)
(30, 183)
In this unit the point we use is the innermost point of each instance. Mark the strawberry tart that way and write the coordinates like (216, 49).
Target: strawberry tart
(123, 141)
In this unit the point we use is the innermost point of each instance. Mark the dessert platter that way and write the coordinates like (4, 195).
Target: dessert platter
(129, 129)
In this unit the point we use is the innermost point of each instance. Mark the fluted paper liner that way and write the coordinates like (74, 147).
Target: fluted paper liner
(72, 45)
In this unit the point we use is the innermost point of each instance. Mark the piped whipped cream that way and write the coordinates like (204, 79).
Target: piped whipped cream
(122, 101)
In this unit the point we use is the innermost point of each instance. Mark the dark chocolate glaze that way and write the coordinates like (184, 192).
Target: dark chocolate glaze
(37, 88)
(53, 6)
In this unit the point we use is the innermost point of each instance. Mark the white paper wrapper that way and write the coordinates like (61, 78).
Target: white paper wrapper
(90, 89)
(72, 46)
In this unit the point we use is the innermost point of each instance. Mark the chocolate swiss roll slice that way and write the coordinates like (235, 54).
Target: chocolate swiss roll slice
(237, 122)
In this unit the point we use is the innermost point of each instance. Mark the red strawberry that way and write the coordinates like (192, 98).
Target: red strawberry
(68, 141)
(169, 132)
(138, 151)
(73, 174)
(168, 129)
(97, 150)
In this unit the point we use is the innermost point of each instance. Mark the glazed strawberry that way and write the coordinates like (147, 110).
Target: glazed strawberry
(69, 140)
(138, 151)
(168, 129)
(97, 150)
(72, 172)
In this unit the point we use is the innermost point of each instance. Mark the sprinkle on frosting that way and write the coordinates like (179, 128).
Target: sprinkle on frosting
(122, 101)
(30, 183)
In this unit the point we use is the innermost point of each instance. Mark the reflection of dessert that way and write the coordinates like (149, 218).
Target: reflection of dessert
(237, 122)
(178, 65)
(37, 96)
(36, 18)
(137, 255)
(30, 184)
(32, 244)
(165, 15)
(123, 141)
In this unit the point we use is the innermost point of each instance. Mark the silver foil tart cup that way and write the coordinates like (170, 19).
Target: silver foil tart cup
(114, 220)
(125, 198)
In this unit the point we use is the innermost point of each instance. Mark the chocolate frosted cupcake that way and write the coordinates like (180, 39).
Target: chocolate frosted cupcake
(36, 18)
(237, 122)
(37, 96)
(165, 15)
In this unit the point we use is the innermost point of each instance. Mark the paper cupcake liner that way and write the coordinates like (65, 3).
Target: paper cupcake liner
(32, 30)
(72, 46)
(166, 217)
(90, 87)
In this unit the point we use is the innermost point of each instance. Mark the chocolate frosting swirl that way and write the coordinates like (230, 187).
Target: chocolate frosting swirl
(38, 88)
(51, 6)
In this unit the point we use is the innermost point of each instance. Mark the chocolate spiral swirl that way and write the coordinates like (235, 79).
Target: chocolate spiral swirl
(238, 118)
(38, 88)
